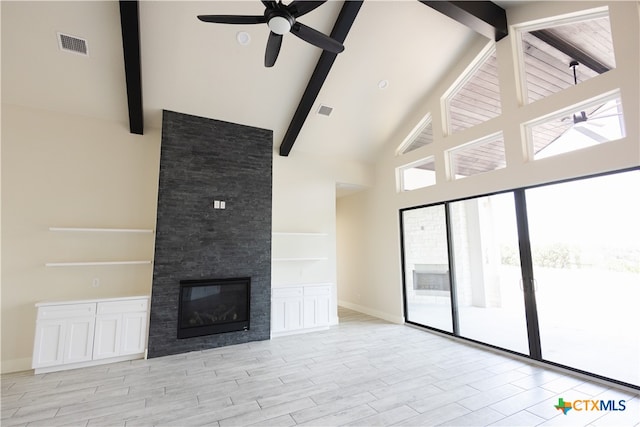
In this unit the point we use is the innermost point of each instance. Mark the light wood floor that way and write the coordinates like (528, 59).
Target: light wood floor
(365, 372)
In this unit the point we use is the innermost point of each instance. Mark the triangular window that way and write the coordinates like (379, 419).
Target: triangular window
(422, 135)
(476, 97)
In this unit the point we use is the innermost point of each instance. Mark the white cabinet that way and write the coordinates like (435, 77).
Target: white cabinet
(286, 311)
(75, 334)
(64, 334)
(303, 308)
(120, 328)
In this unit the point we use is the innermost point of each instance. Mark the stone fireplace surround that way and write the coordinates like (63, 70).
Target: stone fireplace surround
(203, 160)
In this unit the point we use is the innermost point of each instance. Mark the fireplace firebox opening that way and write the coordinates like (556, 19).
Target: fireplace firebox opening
(213, 306)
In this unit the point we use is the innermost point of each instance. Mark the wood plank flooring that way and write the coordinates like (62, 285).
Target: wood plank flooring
(365, 372)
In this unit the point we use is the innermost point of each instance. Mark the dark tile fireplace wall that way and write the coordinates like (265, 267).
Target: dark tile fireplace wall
(203, 160)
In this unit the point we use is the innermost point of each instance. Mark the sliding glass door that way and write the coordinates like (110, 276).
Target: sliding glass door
(585, 242)
(552, 272)
(489, 298)
(426, 266)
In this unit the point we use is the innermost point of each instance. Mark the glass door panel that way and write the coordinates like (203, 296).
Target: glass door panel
(487, 271)
(585, 243)
(426, 267)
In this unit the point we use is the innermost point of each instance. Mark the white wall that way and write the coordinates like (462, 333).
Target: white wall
(304, 201)
(62, 170)
(369, 273)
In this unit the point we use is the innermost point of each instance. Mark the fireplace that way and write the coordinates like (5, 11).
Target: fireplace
(431, 277)
(213, 306)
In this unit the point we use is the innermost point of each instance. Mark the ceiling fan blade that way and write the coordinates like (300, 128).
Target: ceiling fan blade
(316, 38)
(591, 134)
(273, 49)
(269, 4)
(298, 7)
(233, 19)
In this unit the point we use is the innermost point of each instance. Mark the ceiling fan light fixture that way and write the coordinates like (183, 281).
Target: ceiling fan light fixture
(279, 25)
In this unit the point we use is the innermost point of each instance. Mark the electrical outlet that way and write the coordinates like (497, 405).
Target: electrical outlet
(95, 282)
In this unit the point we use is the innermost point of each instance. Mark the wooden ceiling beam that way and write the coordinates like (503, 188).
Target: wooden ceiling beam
(484, 17)
(130, 23)
(340, 30)
(571, 51)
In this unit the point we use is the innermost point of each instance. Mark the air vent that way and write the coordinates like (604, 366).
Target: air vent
(324, 110)
(73, 44)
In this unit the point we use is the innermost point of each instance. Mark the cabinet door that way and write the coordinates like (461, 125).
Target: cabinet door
(317, 300)
(78, 345)
(134, 333)
(48, 348)
(107, 337)
(293, 313)
(323, 310)
(316, 311)
(278, 318)
(309, 311)
(286, 314)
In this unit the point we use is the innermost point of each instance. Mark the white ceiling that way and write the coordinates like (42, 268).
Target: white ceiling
(199, 68)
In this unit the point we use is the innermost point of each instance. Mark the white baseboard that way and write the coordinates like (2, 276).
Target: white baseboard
(298, 331)
(15, 365)
(371, 312)
(88, 363)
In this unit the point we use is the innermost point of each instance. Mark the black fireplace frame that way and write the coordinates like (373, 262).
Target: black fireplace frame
(217, 328)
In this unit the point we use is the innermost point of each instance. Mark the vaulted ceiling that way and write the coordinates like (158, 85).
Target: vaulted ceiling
(201, 69)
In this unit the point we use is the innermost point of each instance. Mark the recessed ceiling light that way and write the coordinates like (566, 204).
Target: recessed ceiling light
(243, 38)
(383, 84)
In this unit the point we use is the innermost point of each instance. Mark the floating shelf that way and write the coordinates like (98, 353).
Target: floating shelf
(93, 263)
(103, 230)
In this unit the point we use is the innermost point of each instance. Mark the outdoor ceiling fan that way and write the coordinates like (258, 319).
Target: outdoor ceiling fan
(587, 124)
(281, 20)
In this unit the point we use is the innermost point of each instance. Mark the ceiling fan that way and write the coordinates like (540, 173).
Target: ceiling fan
(587, 123)
(281, 19)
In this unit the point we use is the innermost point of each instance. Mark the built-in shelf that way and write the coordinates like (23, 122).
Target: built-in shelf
(93, 263)
(103, 230)
(98, 230)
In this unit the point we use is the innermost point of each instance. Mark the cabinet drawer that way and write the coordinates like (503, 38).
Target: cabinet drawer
(286, 292)
(317, 290)
(66, 310)
(115, 307)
